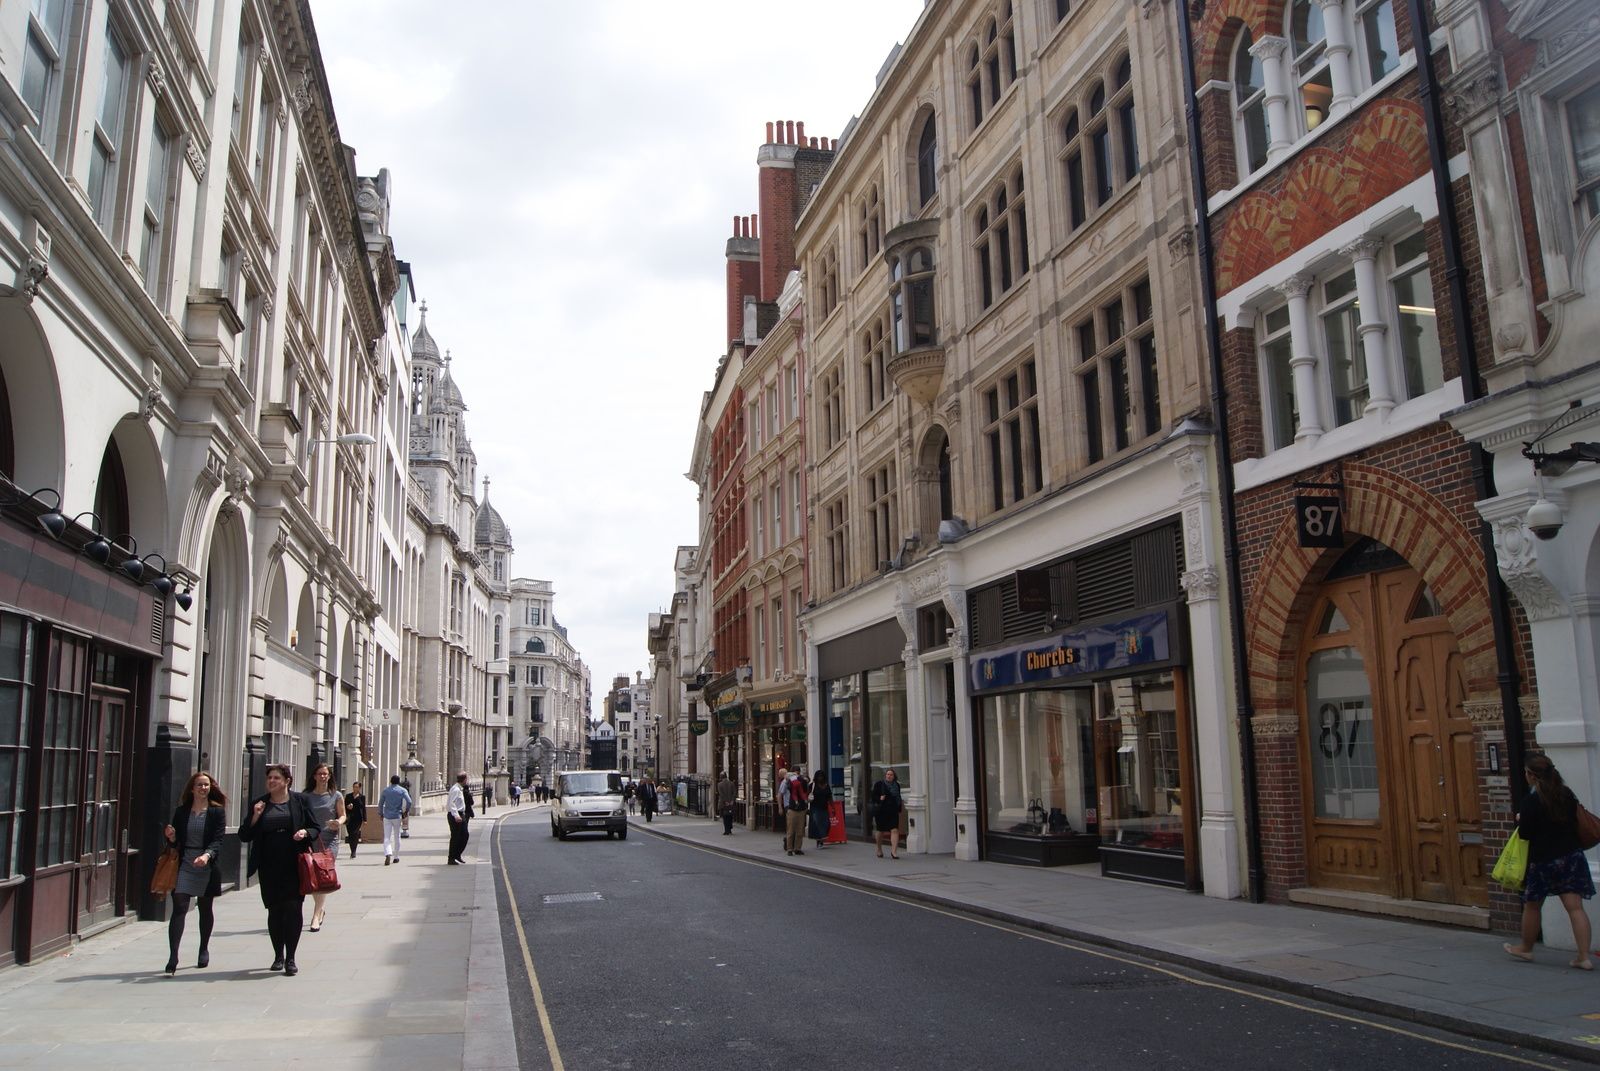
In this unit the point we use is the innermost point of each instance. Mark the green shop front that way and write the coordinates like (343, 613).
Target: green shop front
(1083, 731)
(729, 741)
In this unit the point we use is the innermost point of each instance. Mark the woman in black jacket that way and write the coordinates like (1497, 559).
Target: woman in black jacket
(821, 798)
(355, 816)
(279, 827)
(1548, 821)
(196, 831)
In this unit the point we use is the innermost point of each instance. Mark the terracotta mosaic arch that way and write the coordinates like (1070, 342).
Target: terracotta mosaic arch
(1412, 522)
(1219, 30)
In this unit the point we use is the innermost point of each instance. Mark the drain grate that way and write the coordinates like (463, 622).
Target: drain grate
(572, 898)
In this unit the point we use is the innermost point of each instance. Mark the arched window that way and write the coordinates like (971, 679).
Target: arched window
(1002, 242)
(927, 162)
(869, 231)
(992, 64)
(1072, 157)
(499, 634)
(1099, 144)
(111, 494)
(1249, 106)
(911, 300)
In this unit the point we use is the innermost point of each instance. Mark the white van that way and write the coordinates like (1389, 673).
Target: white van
(589, 801)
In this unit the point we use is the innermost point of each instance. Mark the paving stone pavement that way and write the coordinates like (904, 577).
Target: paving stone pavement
(408, 972)
(1457, 979)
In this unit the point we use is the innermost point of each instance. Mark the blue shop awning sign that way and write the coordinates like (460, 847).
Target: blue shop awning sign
(1134, 641)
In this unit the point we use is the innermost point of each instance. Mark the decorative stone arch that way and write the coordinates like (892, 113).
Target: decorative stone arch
(277, 602)
(1219, 31)
(921, 120)
(933, 484)
(305, 620)
(145, 478)
(36, 416)
(1413, 523)
(222, 648)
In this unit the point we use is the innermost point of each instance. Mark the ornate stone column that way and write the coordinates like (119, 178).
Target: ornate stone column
(1270, 51)
(915, 794)
(1374, 331)
(1339, 71)
(1302, 360)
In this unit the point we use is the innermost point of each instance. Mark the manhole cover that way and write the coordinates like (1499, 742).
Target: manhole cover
(572, 898)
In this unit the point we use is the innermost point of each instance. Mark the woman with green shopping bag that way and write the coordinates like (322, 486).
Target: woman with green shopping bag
(1548, 821)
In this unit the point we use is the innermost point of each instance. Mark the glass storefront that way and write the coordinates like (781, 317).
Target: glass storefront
(868, 733)
(1137, 762)
(1038, 750)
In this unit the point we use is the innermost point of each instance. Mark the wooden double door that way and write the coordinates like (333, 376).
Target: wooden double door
(1389, 758)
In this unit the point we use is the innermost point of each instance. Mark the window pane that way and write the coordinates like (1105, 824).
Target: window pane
(1418, 329)
(1136, 745)
(1383, 49)
(1121, 410)
(1283, 416)
(1039, 763)
(1091, 415)
(1344, 762)
(1149, 384)
(1255, 133)
(1583, 120)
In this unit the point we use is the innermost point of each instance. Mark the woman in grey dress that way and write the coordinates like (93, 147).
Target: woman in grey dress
(196, 830)
(328, 806)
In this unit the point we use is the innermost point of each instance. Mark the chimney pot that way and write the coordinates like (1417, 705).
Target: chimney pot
(769, 133)
(800, 132)
(789, 135)
(755, 226)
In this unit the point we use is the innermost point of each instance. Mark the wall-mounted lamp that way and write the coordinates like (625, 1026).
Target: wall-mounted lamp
(132, 565)
(355, 438)
(1545, 518)
(185, 598)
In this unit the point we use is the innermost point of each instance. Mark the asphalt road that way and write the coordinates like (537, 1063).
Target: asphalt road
(652, 954)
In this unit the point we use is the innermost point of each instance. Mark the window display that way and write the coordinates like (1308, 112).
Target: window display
(1141, 793)
(1038, 752)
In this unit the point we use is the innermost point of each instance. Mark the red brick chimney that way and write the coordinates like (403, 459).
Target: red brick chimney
(744, 272)
(777, 200)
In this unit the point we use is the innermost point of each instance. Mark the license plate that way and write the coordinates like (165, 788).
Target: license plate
(595, 822)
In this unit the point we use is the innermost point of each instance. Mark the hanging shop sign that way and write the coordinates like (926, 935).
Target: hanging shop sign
(699, 727)
(1033, 591)
(798, 734)
(1133, 641)
(730, 717)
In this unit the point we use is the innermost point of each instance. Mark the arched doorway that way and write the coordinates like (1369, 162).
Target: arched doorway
(1389, 770)
(223, 613)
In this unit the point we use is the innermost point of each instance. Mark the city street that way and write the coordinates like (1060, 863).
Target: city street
(650, 953)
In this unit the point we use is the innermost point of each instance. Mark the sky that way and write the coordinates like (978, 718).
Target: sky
(564, 181)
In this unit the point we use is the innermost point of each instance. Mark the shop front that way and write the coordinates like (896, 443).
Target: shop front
(780, 744)
(1084, 734)
(78, 642)
(865, 717)
(730, 742)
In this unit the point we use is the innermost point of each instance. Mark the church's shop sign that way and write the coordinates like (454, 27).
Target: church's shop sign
(1134, 641)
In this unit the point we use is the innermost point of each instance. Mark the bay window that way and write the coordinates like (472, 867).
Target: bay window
(911, 300)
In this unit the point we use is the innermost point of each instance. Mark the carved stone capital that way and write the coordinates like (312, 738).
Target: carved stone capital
(156, 76)
(1363, 248)
(1298, 284)
(1181, 245)
(1472, 93)
(1269, 48)
(1201, 585)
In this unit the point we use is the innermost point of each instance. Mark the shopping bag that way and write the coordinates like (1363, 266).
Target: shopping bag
(317, 873)
(165, 878)
(1512, 866)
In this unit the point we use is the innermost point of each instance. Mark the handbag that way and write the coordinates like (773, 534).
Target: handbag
(1511, 868)
(1588, 828)
(318, 874)
(165, 877)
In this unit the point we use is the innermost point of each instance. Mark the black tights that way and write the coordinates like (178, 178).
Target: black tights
(180, 912)
(284, 922)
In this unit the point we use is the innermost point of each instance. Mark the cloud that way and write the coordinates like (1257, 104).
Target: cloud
(564, 177)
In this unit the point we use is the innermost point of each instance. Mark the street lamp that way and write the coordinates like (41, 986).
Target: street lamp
(354, 438)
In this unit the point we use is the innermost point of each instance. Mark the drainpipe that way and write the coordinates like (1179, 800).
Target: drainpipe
(1219, 411)
(1506, 675)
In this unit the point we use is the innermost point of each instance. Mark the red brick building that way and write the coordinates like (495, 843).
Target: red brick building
(1374, 680)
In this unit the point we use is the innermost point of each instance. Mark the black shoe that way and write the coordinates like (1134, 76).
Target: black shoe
(205, 958)
(277, 964)
(387, 860)
(172, 965)
(289, 968)
(797, 851)
(453, 862)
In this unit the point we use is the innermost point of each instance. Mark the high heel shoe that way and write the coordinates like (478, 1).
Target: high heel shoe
(172, 965)
(205, 958)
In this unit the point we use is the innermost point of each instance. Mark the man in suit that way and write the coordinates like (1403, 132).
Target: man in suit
(459, 813)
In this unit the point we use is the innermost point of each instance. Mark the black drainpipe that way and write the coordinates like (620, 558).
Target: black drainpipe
(1506, 675)
(1219, 414)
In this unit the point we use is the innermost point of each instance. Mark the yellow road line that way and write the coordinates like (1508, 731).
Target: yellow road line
(527, 957)
(1114, 957)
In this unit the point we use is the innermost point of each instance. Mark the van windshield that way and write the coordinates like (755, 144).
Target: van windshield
(591, 784)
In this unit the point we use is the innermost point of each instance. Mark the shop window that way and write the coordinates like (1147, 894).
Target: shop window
(1344, 761)
(60, 762)
(1251, 132)
(887, 729)
(14, 704)
(1038, 756)
(1140, 789)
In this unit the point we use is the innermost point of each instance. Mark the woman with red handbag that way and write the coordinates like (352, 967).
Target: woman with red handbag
(279, 827)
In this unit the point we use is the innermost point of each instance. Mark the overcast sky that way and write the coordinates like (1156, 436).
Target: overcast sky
(565, 179)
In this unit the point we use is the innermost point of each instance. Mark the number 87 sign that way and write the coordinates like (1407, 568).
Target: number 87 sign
(1319, 520)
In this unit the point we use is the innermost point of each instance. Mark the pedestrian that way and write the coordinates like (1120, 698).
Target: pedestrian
(328, 807)
(821, 798)
(793, 799)
(725, 801)
(405, 819)
(886, 807)
(279, 827)
(647, 799)
(355, 816)
(196, 830)
(630, 792)
(459, 813)
(394, 803)
(516, 795)
(1548, 821)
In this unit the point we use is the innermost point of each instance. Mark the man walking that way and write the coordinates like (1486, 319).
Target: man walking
(725, 793)
(458, 811)
(792, 798)
(394, 803)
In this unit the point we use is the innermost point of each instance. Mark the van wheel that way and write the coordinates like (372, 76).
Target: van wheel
(622, 834)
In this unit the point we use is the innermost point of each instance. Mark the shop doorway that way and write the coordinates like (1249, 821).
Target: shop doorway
(939, 687)
(104, 821)
(1390, 785)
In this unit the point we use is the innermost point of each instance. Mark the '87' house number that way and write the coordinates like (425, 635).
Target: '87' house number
(1319, 520)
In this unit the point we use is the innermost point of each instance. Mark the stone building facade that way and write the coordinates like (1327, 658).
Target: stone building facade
(549, 687)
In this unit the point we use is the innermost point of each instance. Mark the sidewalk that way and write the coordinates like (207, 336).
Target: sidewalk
(410, 958)
(1456, 979)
